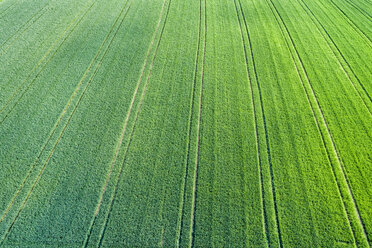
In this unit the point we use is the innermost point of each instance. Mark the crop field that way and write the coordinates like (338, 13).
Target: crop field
(185, 123)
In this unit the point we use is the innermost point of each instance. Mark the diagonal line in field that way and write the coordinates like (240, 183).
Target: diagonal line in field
(129, 113)
(70, 117)
(131, 134)
(362, 11)
(355, 27)
(69, 31)
(117, 150)
(59, 119)
(10, 7)
(341, 166)
(323, 121)
(42, 150)
(30, 21)
(340, 53)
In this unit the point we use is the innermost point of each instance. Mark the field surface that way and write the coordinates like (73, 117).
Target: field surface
(174, 123)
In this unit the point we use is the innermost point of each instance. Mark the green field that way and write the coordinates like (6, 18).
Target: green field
(186, 123)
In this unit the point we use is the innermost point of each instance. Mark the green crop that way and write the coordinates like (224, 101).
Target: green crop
(172, 123)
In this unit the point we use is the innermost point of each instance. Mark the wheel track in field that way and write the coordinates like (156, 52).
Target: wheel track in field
(43, 147)
(340, 53)
(332, 141)
(188, 145)
(355, 27)
(286, 33)
(104, 52)
(102, 233)
(364, 13)
(195, 183)
(35, 16)
(57, 123)
(130, 138)
(303, 85)
(69, 30)
(125, 124)
(306, 199)
(262, 196)
(272, 182)
(335, 54)
(4, 12)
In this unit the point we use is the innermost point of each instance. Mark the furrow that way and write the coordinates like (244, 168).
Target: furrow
(116, 187)
(262, 196)
(69, 31)
(61, 134)
(188, 145)
(328, 134)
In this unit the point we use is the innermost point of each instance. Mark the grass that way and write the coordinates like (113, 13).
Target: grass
(185, 123)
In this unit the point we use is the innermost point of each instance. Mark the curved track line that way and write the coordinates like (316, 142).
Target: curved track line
(64, 129)
(266, 134)
(262, 196)
(72, 26)
(340, 53)
(188, 144)
(326, 127)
